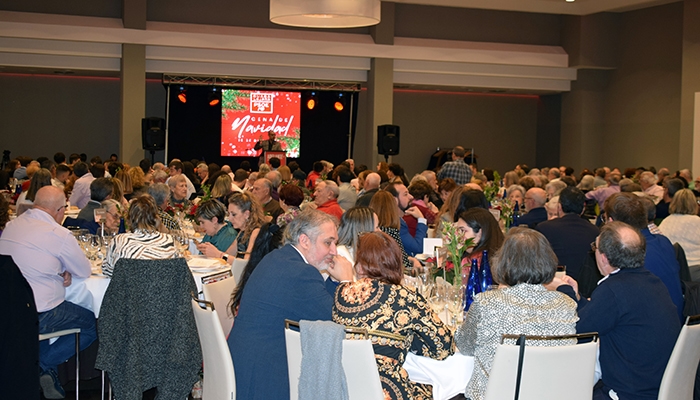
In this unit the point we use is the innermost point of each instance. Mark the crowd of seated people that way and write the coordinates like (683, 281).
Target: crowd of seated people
(243, 213)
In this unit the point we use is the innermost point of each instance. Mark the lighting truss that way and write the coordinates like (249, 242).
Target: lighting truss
(253, 83)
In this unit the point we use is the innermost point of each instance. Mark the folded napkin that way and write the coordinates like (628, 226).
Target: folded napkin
(449, 377)
(322, 375)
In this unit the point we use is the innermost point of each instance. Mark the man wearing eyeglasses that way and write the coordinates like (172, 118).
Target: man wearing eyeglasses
(48, 257)
(633, 313)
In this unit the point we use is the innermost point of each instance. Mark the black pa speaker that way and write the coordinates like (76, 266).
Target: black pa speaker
(388, 139)
(153, 133)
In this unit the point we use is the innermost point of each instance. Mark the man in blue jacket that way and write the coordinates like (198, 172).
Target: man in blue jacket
(633, 314)
(286, 284)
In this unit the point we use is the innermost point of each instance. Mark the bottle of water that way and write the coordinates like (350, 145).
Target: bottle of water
(516, 214)
(473, 285)
(485, 277)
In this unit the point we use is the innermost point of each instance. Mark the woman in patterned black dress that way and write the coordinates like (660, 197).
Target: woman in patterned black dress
(398, 319)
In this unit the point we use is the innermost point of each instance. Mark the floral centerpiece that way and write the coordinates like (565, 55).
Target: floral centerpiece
(493, 188)
(454, 245)
(189, 211)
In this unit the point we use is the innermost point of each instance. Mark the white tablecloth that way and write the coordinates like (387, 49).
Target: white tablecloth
(90, 292)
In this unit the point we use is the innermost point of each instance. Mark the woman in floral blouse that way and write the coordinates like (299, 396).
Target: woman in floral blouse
(397, 318)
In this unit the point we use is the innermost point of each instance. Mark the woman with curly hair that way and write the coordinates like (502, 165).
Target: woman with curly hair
(246, 216)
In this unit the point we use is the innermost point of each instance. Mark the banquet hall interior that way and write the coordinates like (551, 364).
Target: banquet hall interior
(540, 83)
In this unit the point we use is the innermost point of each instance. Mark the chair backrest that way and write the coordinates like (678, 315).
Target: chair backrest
(146, 320)
(237, 268)
(358, 362)
(219, 293)
(684, 271)
(219, 377)
(543, 377)
(679, 377)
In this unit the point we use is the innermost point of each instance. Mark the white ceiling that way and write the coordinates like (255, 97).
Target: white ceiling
(578, 7)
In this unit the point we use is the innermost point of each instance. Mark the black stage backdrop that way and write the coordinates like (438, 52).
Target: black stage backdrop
(194, 130)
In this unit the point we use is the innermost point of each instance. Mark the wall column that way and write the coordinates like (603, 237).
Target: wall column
(133, 102)
(380, 92)
(688, 156)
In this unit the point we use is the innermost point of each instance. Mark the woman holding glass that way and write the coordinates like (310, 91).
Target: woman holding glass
(525, 263)
(219, 234)
(144, 242)
(398, 319)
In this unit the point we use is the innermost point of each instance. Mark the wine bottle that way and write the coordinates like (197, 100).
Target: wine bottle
(516, 214)
(473, 286)
(485, 277)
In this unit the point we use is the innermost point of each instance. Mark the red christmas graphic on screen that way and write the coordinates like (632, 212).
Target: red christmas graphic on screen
(248, 114)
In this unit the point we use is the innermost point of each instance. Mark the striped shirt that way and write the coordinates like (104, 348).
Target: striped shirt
(139, 245)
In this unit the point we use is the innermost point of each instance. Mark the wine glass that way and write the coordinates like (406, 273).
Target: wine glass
(92, 246)
(437, 303)
(455, 305)
(181, 241)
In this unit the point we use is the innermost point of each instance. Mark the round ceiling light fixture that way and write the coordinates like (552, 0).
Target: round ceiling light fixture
(325, 13)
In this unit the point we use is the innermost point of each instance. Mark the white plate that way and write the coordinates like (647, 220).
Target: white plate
(204, 264)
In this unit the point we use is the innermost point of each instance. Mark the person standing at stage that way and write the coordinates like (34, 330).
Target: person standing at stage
(267, 145)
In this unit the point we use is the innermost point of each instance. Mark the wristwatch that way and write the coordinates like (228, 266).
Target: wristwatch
(225, 256)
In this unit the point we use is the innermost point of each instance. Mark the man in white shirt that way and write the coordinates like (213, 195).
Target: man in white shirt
(81, 188)
(48, 257)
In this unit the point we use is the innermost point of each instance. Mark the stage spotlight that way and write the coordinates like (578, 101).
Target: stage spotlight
(340, 103)
(213, 97)
(182, 94)
(311, 103)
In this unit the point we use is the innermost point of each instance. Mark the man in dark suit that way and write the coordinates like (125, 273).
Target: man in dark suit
(101, 189)
(632, 312)
(571, 235)
(286, 284)
(535, 198)
(371, 187)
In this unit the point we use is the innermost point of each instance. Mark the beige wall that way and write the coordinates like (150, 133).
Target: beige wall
(642, 108)
(628, 116)
(502, 129)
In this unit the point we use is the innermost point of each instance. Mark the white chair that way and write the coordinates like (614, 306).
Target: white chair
(237, 268)
(219, 377)
(76, 332)
(360, 367)
(547, 372)
(219, 293)
(679, 378)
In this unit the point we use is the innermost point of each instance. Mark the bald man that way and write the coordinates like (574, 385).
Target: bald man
(48, 256)
(535, 199)
(632, 311)
(371, 187)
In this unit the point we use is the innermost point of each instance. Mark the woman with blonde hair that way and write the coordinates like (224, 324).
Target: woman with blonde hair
(246, 216)
(222, 188)
(285, 173)
(683, 227)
